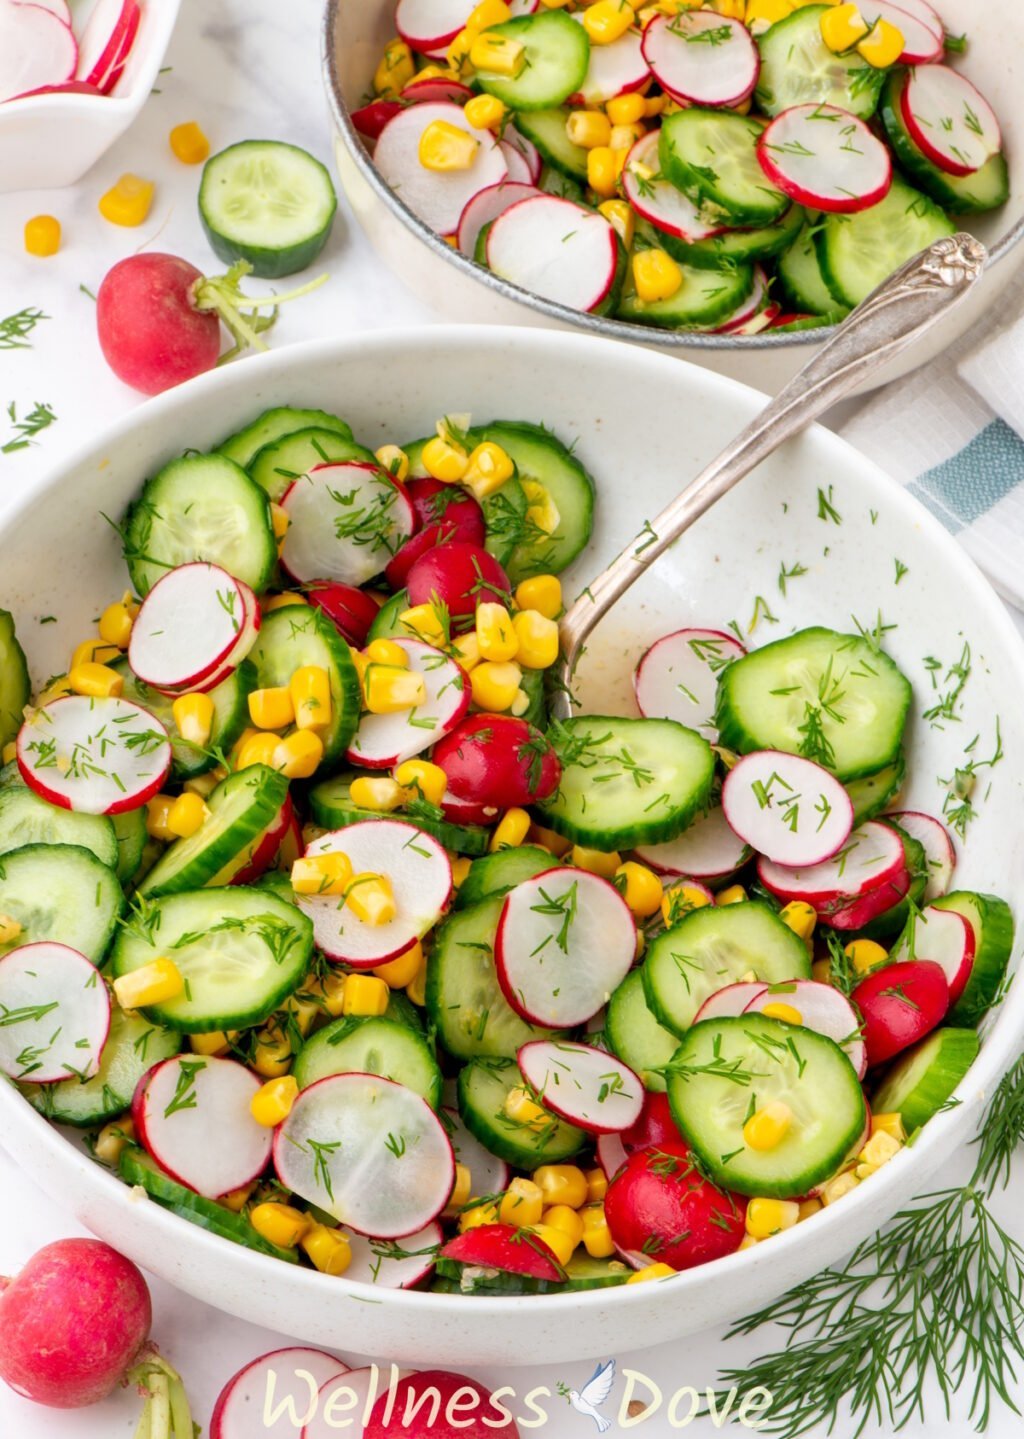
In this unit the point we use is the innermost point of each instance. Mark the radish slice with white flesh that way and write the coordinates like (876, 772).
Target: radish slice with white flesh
(526, 150)
(187, 627)
(949, 120)
(518, 168)
(611, 1154)
(113, 75)
(60, 8)
(345, 521)
(54, 1014)
(102, 38)
(555, 249)
(761, 320)
(677, 678)
(708, 849)
(656, 199)
(730, 1002)
(431, 24)
(193, 1116)
(923, 44)
(488, 1173)
(826, 158)
(382, 741)
(581, 1084)
(822, 1009)
(437, 197)
(354, 1396)
(921, 10)
(939, 850)
(96, 756)
(284, 1384)
(566, 940)
(789, 809)
(420, 875)
(246, 639)
(369, 1152)
(487, 206)
(750, 311)
(613, 70)
(944, 937)
(37, 49)
(388, 1264)
(436, 91)
(702, 58)
(867, 876)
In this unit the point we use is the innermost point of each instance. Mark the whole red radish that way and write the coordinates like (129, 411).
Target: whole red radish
(660, 1206)
(460, 575)
(440, 1404)
(444, 514)
(899, 1004)
(352, 610)
(498, 761)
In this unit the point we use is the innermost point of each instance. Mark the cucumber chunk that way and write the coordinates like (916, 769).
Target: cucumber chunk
(985, 189)
(301, 635)
(557, 60)
(484, 1085)
(798, 68)
(553, 182)
(332, 808)
(27, 818)
(133, 1046)
(63, 893)
(922, 1079)
(284, 460)
(371, 1046)
(230, 716)
(244, 444)
(992, 922)
(703, 299)
(736, 247)
(857, 252)
(635, 1036)
(495, 874)
(267, 203)
(876, 792)
(711, 155)
(726, 1068)
(386, 624)
(15, 689)
(546, 130)
(802, 281)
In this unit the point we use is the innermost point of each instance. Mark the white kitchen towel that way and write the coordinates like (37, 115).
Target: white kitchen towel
(953, 433)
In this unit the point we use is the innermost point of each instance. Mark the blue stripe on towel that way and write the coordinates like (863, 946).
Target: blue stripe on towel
(967, 486)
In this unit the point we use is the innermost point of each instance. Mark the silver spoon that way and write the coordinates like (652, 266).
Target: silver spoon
(902, 309)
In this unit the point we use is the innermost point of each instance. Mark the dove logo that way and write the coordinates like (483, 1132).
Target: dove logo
(593, 1395)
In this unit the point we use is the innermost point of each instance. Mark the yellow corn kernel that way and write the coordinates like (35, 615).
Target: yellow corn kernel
(328, 1250)
(280, 1224)
(522, 1204)
(485, 112)
(842, 27)
(479, 1215)
(9, 752)
(259, 748)
(883, 47)
(762, 14)
(153, 983)
(322, 873)
(466, 650)
(271, 708)
(398, 973)
(282, 601)
(748, 1242)
(372, 900)
(864, 1170)
(498, 55)
(542, 593)
(654, 105)
(891, 1124)
(651, 1271)
(97, 681)
(548, 839)
(495, 686)
(112, 1140)
(386, 652)
(395, 70)
(193, 718)
(186, 815)
(680, 899)
(460, 868)
(562, 1184)
(461, 1191)
(736, 9)
(588, 129)
(620, 215)
(424, 622)
(595, 861)
(272, 1103)
(444, 147)
(128, 202)
(417, 990)
(523, 1109)
(557, 1241)
(189, 144)
(495, 632)
(42, 235)
(394, 460)
(520, 704)
(865, 955)
(116, 622)
(390, 690)
(310, 691)
(10, 929)
(216, 1042)
(597, 1238)
(429, 780)
(272, 1052)
(298, 755)
(655, 275)
(554, 4)
(788, 1013)
(237, 1199)
(537, 640)
(329, 990)
(821, 970)
(808, 1207)
(157, 811)
(377, 792)
(607, 21)
(569, 1221)
(457, 54)
(489, 468)
(93, 652)
(640, 887)
(801, 918)
(486, 14)
(837, 1188)
(733, 894)
(604, 166)
(510, 831)
(626, 109)
(768, 1126)
(597, 1185)
(365, 995)
(54, 690)
(880, 1148)
(624, 137)
(766, 1217)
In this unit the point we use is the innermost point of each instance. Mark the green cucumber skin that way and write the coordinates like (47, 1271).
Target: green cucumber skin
(992, 921)
(387, 624)
(783, 36)
(298, 635)
(952, 192)
(322, 1055)
(230, 716)
(268, 261)
(726, 291)
(874, 793)
(15, 688)
(737, 247)
(803, 284)
(333, 809)
(133, 1047)
(27, 818)
(131, 835)
(100, 891)
(545, 129)
(274, 424)
(495, 874)
(302, 449)
(848, 284)
(646, 1046)
(702, 183)
(534, 1149)
(547, 30)
(951, 1052)
(892, 922)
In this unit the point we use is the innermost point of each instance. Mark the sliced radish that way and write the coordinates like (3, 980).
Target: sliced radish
(438, 198)
(97, 756)
(193, 1115)
(487, 206)
(944, 937)
(750, 311)
(102, 38)
(527, 149)
(420, 875)
(345, 1404)
(556, 249)
(60, 8)
(789, 809)
(113, 75)
(822, 1009)
(436, 91)
(370, 119)
(940, 853)
(508, 1249)
(826, 158)
(395, 1266)
(518, 169)
(368, 1151)
(467, 811)
(264, 850)
(246, 639)
(566, 940)
(431, 24)
(382, 741)
(489, 1175)
(867, 876)
(615, 69)
(926, 13)
(37, 49)
(949, 119)
(54, 1014)
(708, 849)
(611, 1154)
(284, 1384)
(586, 1086)
(345, 521)
(659, 202)
(729, 1002)
(677, 678)
(702, 58)
(187, 627)
(924, 39)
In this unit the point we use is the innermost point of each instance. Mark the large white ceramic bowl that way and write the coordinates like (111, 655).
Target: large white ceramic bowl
(353, 38)
(643, 424)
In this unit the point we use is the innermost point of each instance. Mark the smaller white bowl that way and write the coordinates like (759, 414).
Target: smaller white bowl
(48, 141)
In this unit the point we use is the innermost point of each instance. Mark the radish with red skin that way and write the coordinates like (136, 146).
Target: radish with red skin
(455, 518)
(188, 627)
(464, 1408)
(729, 1002)
(867, 876)
(507, 1248)
(370, 119)
(436, 91)
(825, 158)
(382, 741)
(823, 1009)
(486, 206)
(243, 1399)
(677, 677)
(37, 49)
(924, 40)
(265, 851)
(464, 811)
(708, 849)
(788, 808)
(345, 522)
(556, 249)
(615, 69)
(751, 309)
(763, 319)
(497, 761)
(103, 37)
(374, 1263)
(437, 197)
(611, 1154)
(519, 169)
(586, 1086)
(658, 201)
(695, 73)
(940, 852)
(65, 1014)
(70, 87)
(460, 576)
(949, 120)
(654, 1128)
(349, 608)
(659, 1206)
(250, 628)
(109, 82)
(899, 1004)
(427, 25)
(526, 150)
(944, 937)
(122, 754)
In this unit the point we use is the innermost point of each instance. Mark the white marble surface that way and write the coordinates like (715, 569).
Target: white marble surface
(241, 68)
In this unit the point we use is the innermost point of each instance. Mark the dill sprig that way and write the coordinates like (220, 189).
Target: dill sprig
(39, 418)
(15, 329)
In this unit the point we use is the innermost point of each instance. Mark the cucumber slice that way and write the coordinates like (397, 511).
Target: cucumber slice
(230, 716)
(736, 247)
(581, 1273)
(711, 948)
(633, 781)
(27, 818)
(635, 1036)
(464, 1000)
(553, 182)
(241, 952)
(371, 1046)
(63, 893)
(546, 129)
(557, 60)
(798, 68)
(402, 1010)
(495, 874)
(201, 507)
(893, 921)
(15, 689)
(301, 635)
(876, 792)
(130, 832)
(245, 444)
(922, 1079)
(726, 1068)
(133, 1046)
(711, 155)
(281, 461)
(802, 281)
(241, 808)
(332, 808)
(985, 189)
(386, 624)
(992, 922)
(857, 252)
(507, 525)
(484, 1085)
(705, 296)
(267, 203)
(532, 686)
(835, 698)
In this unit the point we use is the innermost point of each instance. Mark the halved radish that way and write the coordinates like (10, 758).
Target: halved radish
(556, 249)
(867, 876)
(940, 853)
(944, 937)
(729, 1002)
(677, 678)
(822, 1009)
(708, 849)
(420, 875)
(900, 1004)
(586, 1086)
(37, 49)
(949, 119)
(615, 69)
(345, 1403)
(527, 150)
(102, 38)
(565, 941)
(388, 1265)
(193, 1116)
(97, 756)
(187, 627)
(658, 201)
(489, 1174)
(436, 90)
(368, 1151)
(826, 158)
(284, 1384)
(611, 1154)
(923, 37)
(750, 311)
(54, 1014)
(264, 850)
(382, 741)
(789, 809)
(486, 206)
(438, 198)
(508, 1249)
(70, 87)
(702, 58)
(370, 119)
(345, 521)
(446, 513)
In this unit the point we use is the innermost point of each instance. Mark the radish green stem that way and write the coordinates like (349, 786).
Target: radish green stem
(165, 1413)
(238, 312)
